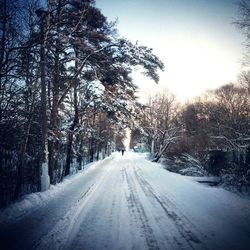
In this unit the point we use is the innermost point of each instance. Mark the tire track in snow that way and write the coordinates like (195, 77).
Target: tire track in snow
(65, 230)
(182, 223)
(137, 210)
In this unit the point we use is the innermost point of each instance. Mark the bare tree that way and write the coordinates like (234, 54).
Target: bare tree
(160, 124)
(233, 114)
(244, 81)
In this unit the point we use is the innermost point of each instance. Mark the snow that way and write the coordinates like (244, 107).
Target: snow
(45, 180)
(96, 87)
(31, 202)
(186, 165)
(128, 202)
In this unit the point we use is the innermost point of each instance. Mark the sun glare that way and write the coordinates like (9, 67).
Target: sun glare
(192, 67)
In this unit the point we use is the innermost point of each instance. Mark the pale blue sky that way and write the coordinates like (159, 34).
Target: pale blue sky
(196, 40)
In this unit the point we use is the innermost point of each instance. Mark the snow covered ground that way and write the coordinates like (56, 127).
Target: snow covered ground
(127, 202)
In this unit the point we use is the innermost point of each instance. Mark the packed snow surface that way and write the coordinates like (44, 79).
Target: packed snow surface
(127, 202)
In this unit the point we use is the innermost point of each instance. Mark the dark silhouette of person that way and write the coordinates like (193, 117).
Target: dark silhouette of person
(123, 150)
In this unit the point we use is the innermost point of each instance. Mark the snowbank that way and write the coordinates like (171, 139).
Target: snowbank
(31, 202)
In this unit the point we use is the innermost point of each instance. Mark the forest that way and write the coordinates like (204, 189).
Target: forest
(66, 90)
(67, 98)
(209, 136)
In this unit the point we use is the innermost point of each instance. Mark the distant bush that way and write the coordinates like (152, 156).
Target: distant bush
(185, 164)
(236, 178)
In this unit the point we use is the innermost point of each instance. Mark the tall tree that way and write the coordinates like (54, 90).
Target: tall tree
(66, 89)
(160, 124)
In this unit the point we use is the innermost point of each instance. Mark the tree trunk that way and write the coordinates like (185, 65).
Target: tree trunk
(53, 144)
(30, 111)
(91, 150)
(80, 154)
(160, 152)
(44, 127)
(20, 170)
(153, 147)
(69, 154)
(54, 119)
(71, 132)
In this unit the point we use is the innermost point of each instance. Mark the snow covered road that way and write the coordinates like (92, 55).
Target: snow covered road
(127, 202)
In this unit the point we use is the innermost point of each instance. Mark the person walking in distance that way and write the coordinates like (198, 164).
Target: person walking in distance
(123, 150)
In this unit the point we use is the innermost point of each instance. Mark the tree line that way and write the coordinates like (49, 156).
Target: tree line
(217, 120)
(65, 90)
(214, 128)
